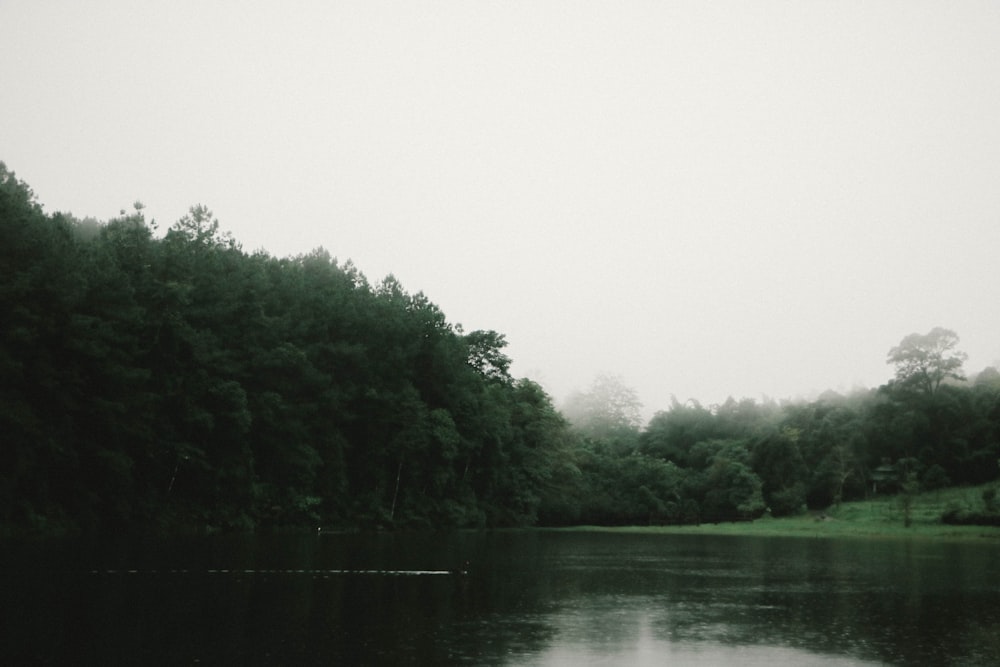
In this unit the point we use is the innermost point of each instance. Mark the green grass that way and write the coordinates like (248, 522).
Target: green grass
(880, 517)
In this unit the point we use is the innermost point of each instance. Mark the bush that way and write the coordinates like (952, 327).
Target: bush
(788, 501)
(965, 515)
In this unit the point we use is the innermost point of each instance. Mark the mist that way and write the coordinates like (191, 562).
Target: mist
(708, 200)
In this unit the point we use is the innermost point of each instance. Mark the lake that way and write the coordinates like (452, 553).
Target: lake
(531, 597)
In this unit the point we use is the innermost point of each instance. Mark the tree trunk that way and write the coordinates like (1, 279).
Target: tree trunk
(395, 493)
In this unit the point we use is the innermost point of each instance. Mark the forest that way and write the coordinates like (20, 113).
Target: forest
(176, 382)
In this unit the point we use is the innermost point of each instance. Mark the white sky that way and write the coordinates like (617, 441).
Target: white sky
(706, 198)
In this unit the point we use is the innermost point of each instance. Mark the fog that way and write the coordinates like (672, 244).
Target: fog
(704, 199)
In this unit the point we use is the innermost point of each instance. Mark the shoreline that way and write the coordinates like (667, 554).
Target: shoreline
(809, 528)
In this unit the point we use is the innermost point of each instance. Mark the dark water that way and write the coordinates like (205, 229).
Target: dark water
(528, 598)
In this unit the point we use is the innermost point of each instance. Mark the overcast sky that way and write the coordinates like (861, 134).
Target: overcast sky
(705, 198)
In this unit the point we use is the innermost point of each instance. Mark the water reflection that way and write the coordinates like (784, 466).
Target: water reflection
(640, 640)
(530, 598)
(635, 599)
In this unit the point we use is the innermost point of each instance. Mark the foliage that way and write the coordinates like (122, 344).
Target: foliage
(182, 382)
(608, 409)
(178, 381)
(924, 361)
(857, 519)
(988, 514)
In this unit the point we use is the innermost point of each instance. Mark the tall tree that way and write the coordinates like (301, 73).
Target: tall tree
(923, 361)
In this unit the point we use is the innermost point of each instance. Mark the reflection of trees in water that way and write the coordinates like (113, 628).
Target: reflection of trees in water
(889, 602)
(894, 602)
(531, 597)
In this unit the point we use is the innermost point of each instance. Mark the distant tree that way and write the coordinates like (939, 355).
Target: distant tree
(609, 409)
(988, 377)
(923, 361)
(746, 417)
(672, 433)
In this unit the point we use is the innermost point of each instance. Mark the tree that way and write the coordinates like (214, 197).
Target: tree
(672, 433)
(777, 459)
(486, 355)
(200, 228)
(729, 489)
(988, 378)
(923, 361)
(609, 409)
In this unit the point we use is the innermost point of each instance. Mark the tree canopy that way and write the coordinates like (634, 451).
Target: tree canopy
(180, 382)
(924, 361)
(609, 407)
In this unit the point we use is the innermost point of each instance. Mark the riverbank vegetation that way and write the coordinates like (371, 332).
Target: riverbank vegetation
(882, 516)
(172, 380)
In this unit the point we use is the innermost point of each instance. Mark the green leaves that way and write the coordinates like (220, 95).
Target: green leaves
(180, 381)
(486, 355)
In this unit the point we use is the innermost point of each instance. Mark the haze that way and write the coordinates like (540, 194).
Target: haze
(705, 198)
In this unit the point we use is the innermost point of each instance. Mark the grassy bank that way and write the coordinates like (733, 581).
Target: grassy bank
(882, 517)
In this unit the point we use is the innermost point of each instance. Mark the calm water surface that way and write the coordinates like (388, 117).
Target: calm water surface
(528, 598)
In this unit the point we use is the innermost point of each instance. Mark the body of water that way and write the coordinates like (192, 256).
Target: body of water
(500, 598)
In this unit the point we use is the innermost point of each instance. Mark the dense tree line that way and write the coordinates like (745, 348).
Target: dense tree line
(927, 428)
(179, 381)
(175, 381)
